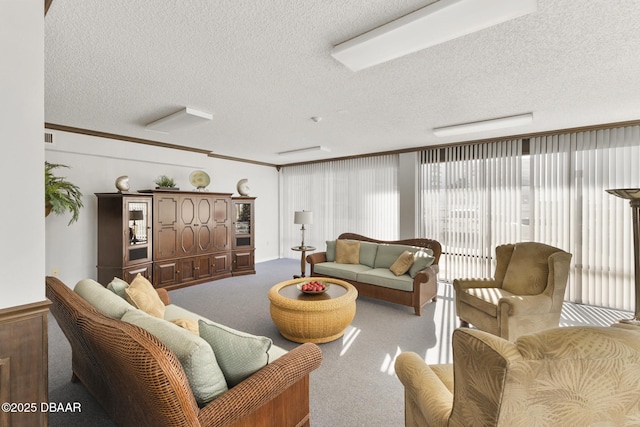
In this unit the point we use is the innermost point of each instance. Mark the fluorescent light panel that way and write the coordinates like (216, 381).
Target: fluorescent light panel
(185, 117)
(433, 24)
(484, 125)
(304, 150)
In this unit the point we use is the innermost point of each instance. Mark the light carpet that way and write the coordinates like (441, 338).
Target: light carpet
(356, 384)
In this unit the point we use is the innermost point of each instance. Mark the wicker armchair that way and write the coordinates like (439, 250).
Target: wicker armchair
(140, 382)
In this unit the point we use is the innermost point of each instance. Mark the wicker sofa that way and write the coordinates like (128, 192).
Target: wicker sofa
(139, 381)
(413, 291)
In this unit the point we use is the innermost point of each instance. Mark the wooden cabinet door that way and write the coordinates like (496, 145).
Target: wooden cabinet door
(222, 223)
(165, 233)
(221, 263)
(165, 273)
(196, 225)
(131, 272)
(242, 260)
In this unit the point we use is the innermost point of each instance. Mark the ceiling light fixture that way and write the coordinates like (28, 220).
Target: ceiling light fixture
(185, 117)
(305, 150)
(484, 125)
(436, 23)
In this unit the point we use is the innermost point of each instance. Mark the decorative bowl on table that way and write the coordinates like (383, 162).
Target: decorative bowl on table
(313, 287)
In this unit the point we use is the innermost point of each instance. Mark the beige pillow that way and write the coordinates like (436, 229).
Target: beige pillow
(402, 264)
(141, 294)
(190, 325)
(347, 251)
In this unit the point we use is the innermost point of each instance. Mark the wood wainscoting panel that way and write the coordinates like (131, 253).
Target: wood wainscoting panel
(24, 363)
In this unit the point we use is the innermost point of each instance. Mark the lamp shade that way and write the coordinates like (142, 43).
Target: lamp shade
(136, 215)
(303, 217)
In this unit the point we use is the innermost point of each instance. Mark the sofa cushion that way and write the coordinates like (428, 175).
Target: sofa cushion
(239, 354)
(422, 259)
(190, 325)
(195, 355)
(331, 250)
(368, 251)
(141, 294)
(347, 251)
(118, 286)
(388, 253)
(342, 271)
(173, 312)
(484, 299)
(385, 278)
(105, 301)
(528, 269)
(402, 264)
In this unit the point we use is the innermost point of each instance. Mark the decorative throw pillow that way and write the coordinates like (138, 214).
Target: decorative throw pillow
(402, 264)
(118, 286)
(190, 325)
(195, 355)
(239, 354)
(421, 260)
(141, 294)
(331, 250)
(347, 251)
(107, 302)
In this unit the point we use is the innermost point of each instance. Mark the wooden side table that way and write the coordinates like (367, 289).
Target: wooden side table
(303, 261)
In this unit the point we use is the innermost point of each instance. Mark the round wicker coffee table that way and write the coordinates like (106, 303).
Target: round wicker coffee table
(316, 318)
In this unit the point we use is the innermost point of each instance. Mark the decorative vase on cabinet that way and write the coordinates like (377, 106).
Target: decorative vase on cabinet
(243, 234)
(124, 236)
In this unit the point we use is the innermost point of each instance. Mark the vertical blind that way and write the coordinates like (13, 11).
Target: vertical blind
(570, 174)
(469, 199)
(354, 195)
(548, 189)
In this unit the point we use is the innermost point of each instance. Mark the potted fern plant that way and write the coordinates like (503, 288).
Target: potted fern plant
(60, 195)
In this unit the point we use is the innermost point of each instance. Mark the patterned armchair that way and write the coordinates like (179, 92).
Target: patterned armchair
(525, 295)
(573, 376)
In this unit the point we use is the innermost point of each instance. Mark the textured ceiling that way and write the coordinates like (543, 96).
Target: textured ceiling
(263, 68)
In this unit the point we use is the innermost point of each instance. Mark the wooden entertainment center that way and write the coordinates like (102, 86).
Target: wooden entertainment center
(174, 238)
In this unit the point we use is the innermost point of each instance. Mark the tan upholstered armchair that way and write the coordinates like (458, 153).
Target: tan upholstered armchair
(573, 376)
(525, 295)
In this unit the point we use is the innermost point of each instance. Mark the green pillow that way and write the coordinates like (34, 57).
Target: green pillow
(101, 299)
(331, 250)
(421, 260)
(195, 355)
(239, 354)
(118, 287)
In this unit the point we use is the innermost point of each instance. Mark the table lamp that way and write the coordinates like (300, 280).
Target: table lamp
(135, 216)
(303, 217)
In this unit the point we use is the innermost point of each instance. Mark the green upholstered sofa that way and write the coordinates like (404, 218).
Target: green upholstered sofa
(371, 270)
(167, 377)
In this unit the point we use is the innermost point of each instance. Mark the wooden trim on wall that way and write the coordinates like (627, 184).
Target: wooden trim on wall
(125, 138)
(24, 355)
(99, 134)
(478, 141)
(47, 5)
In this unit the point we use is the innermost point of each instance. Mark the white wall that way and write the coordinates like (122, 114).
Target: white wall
(21, 162)
(95, 163)
(408, 189)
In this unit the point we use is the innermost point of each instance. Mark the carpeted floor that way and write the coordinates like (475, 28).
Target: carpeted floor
(356, 384)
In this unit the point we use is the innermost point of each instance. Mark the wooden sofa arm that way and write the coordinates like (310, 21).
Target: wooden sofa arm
(164, 295)
(262, 386)
(427, 274)
(316, 258)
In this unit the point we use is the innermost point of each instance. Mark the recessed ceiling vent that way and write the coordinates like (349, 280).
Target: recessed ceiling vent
(48, 138)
